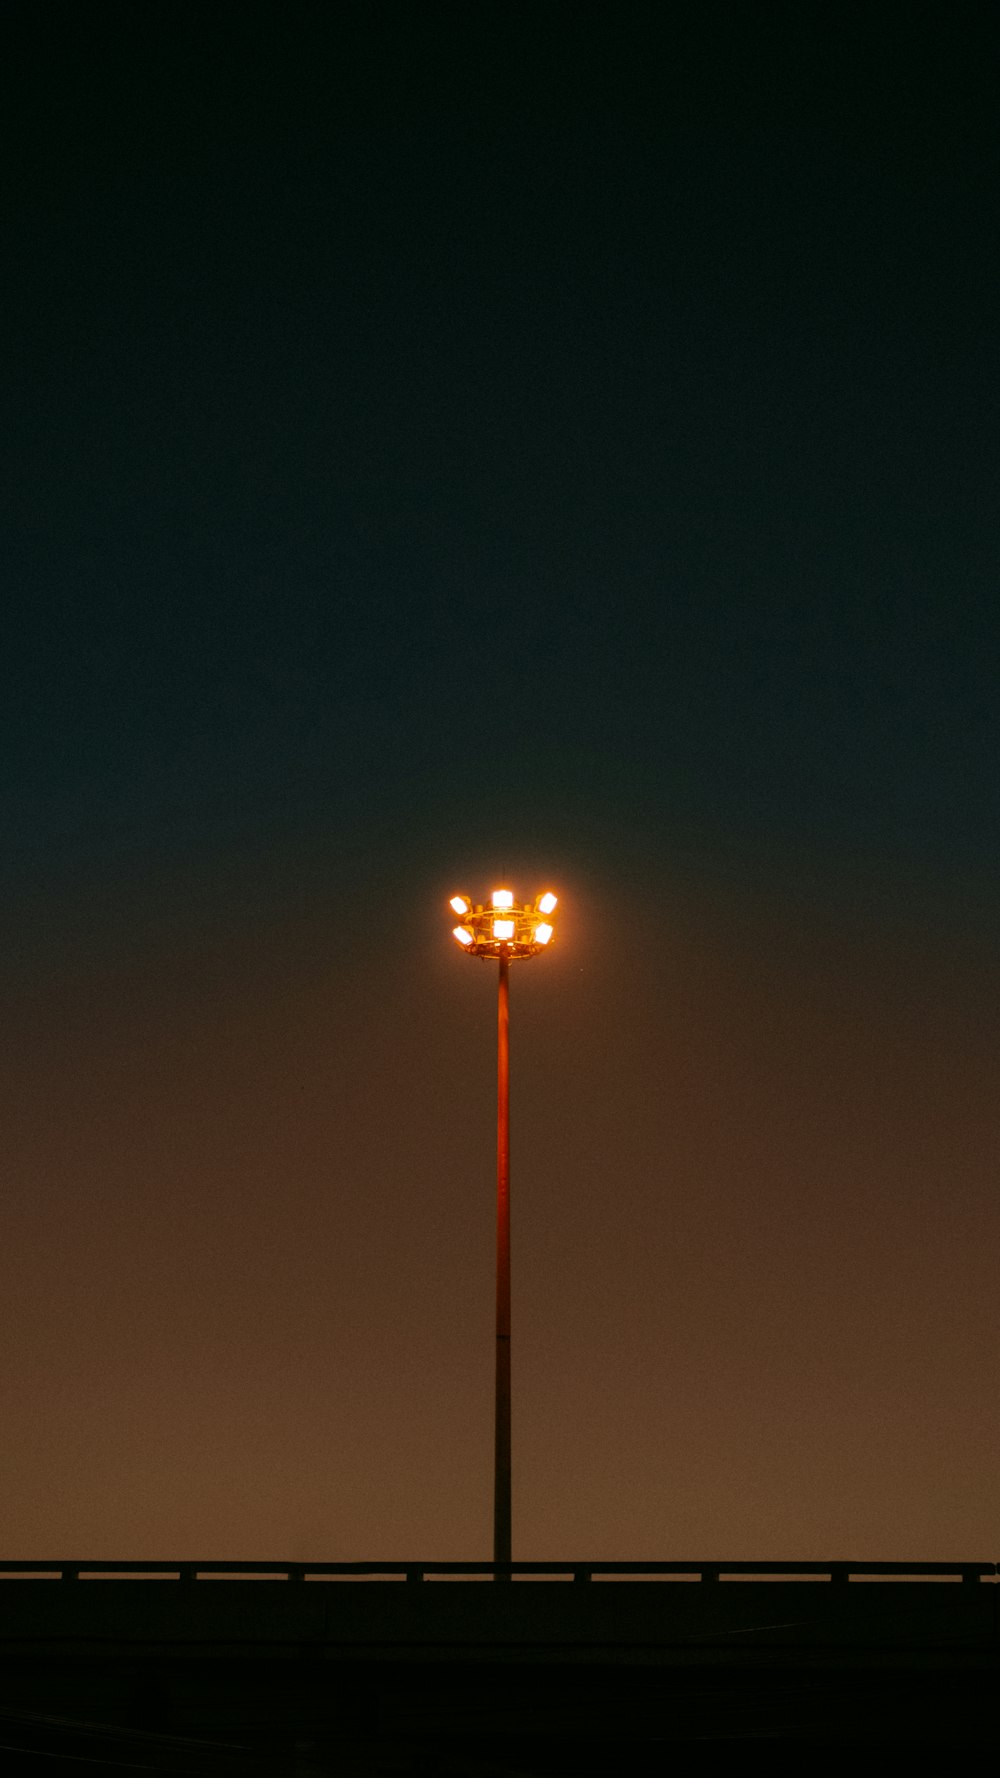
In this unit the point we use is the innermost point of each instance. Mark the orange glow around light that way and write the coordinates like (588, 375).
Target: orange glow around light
(463, 935)
(543, 933)
(546, 902)
(503, 898)
(462, 904)
(503, 929)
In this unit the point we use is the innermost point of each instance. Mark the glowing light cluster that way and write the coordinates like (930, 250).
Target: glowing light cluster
(504, 926)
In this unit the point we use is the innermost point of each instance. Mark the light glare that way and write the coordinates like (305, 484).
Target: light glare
(463, 935)
(460, 903)
(546, 902)
(503, 898)
(543, 933)
(503, 929)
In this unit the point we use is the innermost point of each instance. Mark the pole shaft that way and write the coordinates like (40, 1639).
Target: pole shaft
(501, 1470)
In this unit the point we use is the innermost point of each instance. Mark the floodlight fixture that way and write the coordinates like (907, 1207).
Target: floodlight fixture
(504, 927)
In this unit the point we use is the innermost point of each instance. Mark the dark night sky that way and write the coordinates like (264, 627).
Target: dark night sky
(443, 441)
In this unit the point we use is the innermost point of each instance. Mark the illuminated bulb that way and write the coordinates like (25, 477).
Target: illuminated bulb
(543, 933)
(460, 903)
(503, 929)
(546, 903)
(503, 898)
(463, 935)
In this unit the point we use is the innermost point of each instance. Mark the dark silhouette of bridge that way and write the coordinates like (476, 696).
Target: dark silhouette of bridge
(456, 1669)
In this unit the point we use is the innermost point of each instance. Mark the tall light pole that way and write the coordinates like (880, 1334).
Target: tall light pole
(504, 929)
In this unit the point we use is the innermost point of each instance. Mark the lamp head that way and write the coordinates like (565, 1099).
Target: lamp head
(506, 927)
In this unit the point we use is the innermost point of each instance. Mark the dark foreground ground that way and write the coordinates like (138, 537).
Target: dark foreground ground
(360, 1671)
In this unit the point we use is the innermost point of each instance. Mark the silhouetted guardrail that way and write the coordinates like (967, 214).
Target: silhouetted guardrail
(389, 1659)
(838, 1573)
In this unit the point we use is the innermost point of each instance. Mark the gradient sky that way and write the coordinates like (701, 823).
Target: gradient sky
(443, 442)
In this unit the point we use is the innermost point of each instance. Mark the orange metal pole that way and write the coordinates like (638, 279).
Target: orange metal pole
(501, 1469)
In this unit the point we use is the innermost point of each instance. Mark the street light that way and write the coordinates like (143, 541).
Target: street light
(505, 929)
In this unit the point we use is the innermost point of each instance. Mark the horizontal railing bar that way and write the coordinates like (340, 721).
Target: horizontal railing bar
(715, 1570)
